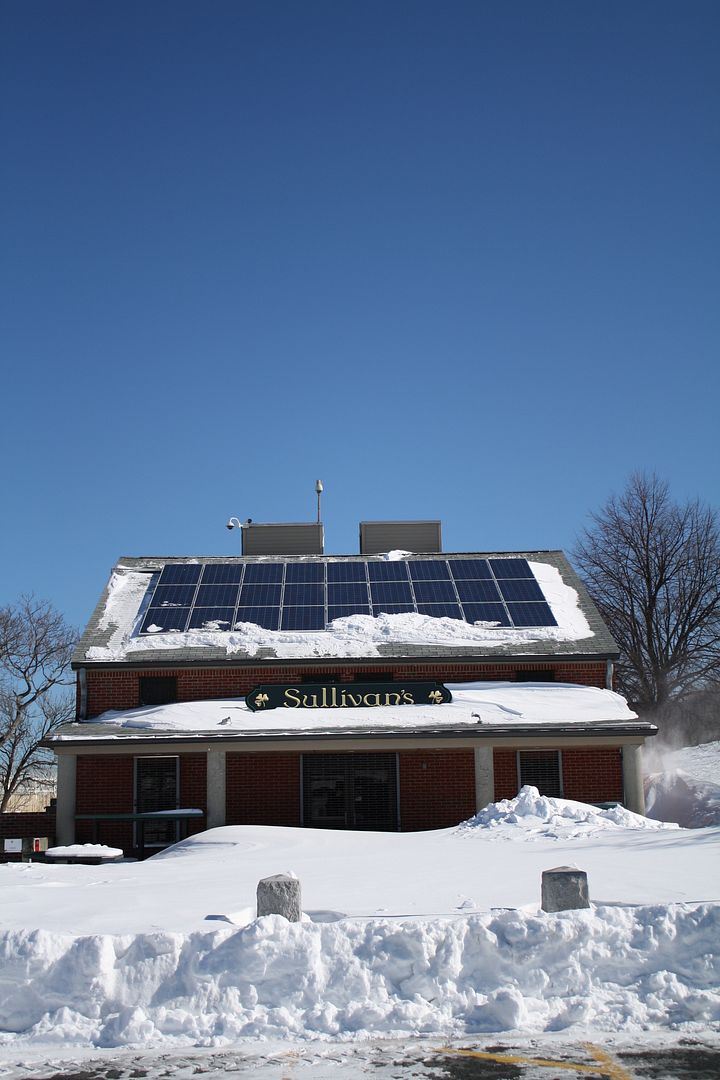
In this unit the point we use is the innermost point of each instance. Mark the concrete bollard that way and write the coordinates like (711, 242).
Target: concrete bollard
(279, 895)
(564, 888)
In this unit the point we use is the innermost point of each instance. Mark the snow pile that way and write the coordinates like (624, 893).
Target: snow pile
(686, 790)
(353, 636)
(542, 816)
(403, 934)
(83, 851)
(484, 703)
(614, 969)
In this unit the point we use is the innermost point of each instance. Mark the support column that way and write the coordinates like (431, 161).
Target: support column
(633, 779)
(484, 777)
(215, 788)
(65, 806)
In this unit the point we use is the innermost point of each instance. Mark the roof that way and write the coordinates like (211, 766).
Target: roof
(112, 635)
(502, 709)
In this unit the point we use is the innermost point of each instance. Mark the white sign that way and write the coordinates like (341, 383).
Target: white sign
(13, 847)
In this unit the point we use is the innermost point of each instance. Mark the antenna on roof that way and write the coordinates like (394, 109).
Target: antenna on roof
(319, 491)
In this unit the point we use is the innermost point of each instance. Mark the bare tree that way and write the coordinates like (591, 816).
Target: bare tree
(653, 568)
(36, 645)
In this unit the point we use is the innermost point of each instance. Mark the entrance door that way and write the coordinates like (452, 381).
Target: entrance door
(350, 791)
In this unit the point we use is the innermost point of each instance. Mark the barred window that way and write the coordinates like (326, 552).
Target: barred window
(541, 769)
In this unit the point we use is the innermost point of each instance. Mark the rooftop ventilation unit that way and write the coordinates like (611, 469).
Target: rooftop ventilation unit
(416, 536)
(299, 538)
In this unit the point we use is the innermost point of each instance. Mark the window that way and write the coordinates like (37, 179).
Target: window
(546, 675)
(158, 689)
(350, 791)
(540, 769)
(157, 787)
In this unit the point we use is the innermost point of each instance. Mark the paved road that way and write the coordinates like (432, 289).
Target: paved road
(537, 1059)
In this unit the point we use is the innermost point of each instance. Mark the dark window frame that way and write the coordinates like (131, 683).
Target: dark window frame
(538, 754)
(168, 683)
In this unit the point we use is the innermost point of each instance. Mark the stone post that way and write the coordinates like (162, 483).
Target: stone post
(633, 779)
(564, 888)
(279, 895)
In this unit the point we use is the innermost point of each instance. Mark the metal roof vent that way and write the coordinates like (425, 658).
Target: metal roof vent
(298, 538)
(416, 536)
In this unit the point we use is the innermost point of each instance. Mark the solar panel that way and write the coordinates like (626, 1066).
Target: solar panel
(222, 573)
(308, 594)
(469, 568)
(346, 571)
(180, 574)
(173, 596)
(303, 618)
(441, 611)
(510, 568)
(486, 613)
(267, 617)
(479, 591)
(260, 595)
(303, 595)
(387, 571)
(435, 592)
(429, 570)
(307, 571)
(212, 618)
(520, 589)
(165, 620)
(217, 596)
(390, 592)
(341, 611)
(259, 573)
(347, 592)
(531, 615)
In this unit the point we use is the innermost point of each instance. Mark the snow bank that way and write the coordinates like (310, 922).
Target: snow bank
(484, 703)
(542, 816)
(616, 969)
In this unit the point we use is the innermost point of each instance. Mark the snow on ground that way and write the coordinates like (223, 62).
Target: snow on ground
(475, 703)
(682, 785)
(355, 635)
(404, 934)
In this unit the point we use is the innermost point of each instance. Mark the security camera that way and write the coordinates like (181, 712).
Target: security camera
(229, 525)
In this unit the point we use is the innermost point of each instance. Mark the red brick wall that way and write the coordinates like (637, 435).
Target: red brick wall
(590, 774)
(120, 689)
(437, 788)
(263, 789)
(593, 774)
(193, 788)
(105, 786)
(25, 825)
(506, 779)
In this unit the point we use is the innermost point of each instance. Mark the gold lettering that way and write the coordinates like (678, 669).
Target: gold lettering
(292, 695)
(355, 700)
(395, 702)
(324, 697)
(408, 699)
(367, 699)
(333, 697)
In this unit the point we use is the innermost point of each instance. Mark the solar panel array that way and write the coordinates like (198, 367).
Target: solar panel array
(309, 595)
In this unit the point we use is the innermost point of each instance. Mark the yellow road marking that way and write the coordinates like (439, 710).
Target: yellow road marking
(612, 1068)
(605, 1067)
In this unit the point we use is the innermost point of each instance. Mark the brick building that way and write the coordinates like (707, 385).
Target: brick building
(378, 691)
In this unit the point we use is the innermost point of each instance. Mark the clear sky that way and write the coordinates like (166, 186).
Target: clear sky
(459, 260)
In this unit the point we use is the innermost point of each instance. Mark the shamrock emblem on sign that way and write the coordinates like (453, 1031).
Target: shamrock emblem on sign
(261, 700)
(435, 696)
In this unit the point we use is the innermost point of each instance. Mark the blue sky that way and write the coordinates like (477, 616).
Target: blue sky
(458, 260)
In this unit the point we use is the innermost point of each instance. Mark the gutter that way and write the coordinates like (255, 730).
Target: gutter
(602, 729)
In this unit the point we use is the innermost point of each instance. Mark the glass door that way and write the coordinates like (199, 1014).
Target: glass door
(350, 791)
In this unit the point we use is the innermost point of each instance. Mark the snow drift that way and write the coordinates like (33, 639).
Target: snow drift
(613, 968)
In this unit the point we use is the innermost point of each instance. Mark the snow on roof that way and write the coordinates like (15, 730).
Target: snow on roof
(476, 706)
(112, 634)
